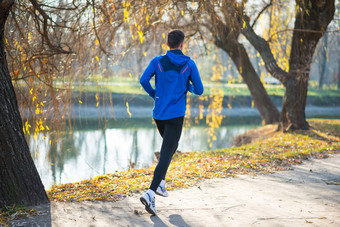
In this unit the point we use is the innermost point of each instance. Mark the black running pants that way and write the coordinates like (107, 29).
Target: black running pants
(170, 131)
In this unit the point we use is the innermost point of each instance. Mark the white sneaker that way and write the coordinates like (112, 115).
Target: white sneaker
(161, 190)
(149, 203)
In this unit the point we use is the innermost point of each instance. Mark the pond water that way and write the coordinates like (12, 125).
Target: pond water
(89, 151)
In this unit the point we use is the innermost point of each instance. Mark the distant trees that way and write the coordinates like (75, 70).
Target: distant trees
(323, 62)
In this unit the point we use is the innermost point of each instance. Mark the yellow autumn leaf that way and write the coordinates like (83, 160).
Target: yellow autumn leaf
(128, 109)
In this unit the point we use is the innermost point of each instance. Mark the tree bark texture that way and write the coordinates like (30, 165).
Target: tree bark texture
(20, 182)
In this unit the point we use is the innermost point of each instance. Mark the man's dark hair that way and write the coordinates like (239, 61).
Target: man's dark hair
(175, 38)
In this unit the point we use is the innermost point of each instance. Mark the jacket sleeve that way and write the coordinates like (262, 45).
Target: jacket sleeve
(146, 77)
(196, 87)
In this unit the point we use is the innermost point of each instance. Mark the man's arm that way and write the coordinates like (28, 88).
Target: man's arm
(196, 87)
(146, 77)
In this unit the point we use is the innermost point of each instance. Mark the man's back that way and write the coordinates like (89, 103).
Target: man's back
(174, 72)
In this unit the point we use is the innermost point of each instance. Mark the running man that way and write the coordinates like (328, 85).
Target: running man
(175, 75)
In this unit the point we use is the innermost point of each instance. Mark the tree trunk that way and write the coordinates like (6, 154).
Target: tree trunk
(323, 61)
(262, 101)
(19, 179)
(311, 21)
(293, 113)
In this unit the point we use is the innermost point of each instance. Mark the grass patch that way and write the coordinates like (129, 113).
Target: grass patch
(276, 151)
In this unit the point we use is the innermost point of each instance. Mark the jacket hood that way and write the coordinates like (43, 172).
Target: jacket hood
(177, 58)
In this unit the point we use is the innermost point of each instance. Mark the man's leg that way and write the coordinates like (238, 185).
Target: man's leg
(160, 126)
(173, 152)
(171, 136)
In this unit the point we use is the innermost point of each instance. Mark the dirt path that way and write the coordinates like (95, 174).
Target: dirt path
(307, 195)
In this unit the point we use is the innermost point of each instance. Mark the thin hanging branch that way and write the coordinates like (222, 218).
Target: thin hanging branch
(261, 12)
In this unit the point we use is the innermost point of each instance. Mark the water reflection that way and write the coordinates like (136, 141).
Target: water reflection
(81, 154)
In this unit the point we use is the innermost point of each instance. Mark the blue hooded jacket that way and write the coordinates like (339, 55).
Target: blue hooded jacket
(176, 74)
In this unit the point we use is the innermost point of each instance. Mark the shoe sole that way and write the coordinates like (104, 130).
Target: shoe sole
(161, 194)
(147, 208)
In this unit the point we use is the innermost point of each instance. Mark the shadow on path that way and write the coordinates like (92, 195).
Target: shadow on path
(177, 220)
(174, 219)
(157, 221)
